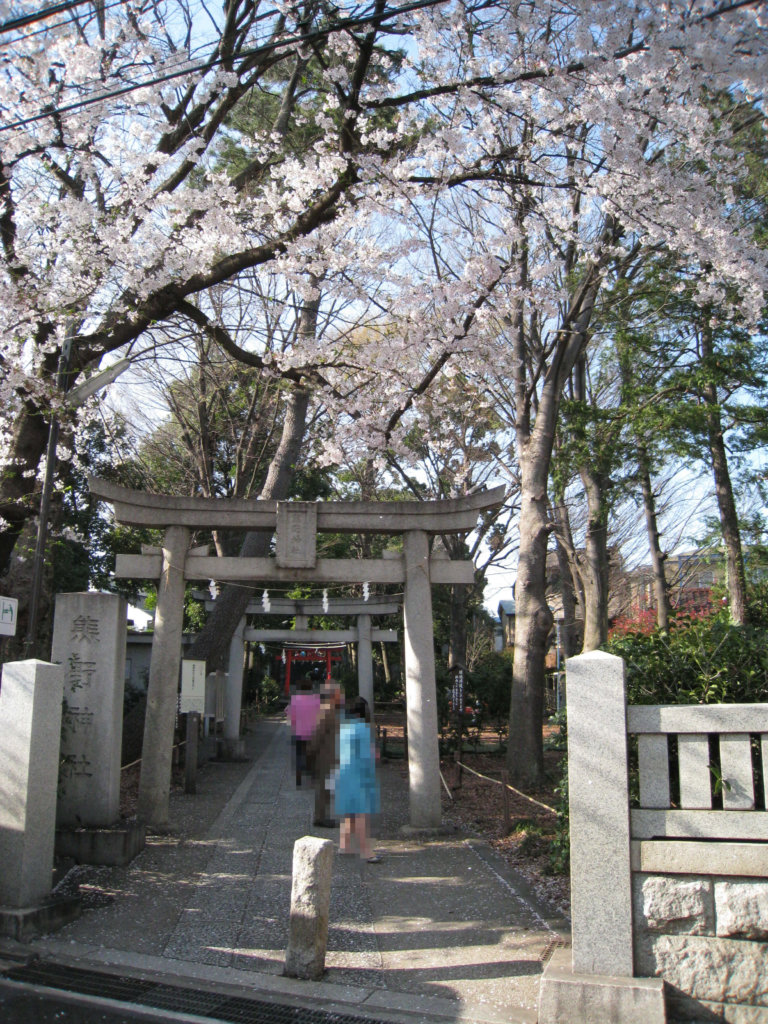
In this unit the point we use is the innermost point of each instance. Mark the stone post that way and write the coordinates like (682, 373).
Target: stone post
(420, 690)
(310, 908)
(162, 692)
(89, 638)
(30, 729)
(365, 659)
(597, 986)
(232, 745)
(215, 690)
(598, 790)
(190, 751)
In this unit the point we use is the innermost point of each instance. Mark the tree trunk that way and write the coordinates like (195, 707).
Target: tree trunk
(212, 645)
(729, 520)
(19, 479)
(729, 524)
(28, 444)
(533, 619)
(457, 643)
(660, 586)
(570, 584)
(594, 564)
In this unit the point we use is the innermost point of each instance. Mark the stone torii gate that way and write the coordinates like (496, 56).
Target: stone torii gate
(300, 609)
(362, 633)
(296, 525)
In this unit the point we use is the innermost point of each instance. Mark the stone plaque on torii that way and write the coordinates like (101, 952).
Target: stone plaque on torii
(297, 524)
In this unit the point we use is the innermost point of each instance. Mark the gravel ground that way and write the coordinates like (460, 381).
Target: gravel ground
(477, 805)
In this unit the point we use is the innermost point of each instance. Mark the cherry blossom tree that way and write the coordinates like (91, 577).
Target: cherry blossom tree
(581, 141)
(473, 187)
(114, 210)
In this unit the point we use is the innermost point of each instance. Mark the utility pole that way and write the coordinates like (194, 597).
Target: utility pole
(38, 561)
(71, 398)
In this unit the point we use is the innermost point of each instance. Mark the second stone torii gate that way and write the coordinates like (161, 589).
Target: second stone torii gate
(296, 525)
(363, 634)
(300, 609)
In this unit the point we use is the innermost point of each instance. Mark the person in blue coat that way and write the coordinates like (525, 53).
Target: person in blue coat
(356, 793)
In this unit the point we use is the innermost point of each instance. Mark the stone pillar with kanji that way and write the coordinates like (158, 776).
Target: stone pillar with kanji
(89, 637)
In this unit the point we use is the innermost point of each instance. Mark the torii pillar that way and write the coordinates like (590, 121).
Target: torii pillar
(162, 699)
(420, 688)
(233, 746)
(365, 659)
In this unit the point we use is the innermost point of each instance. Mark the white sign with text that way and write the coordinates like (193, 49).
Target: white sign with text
(192, 687)
(9, 608)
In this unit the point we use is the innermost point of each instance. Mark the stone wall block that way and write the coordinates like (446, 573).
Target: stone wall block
(708, 969)
(674, 904)
(741, 909)
(682, 1008)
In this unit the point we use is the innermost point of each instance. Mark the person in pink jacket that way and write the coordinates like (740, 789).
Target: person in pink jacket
(303, 712)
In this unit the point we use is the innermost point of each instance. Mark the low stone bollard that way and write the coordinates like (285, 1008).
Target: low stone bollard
(310, 908)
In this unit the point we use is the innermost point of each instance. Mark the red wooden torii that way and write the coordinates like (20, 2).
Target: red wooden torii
(313, 654)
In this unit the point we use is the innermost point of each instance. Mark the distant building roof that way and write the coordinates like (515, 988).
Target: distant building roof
(507, 607)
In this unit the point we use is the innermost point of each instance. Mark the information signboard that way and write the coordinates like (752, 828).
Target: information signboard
(192, 687)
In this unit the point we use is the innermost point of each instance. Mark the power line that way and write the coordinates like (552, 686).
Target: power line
(340, 26)
(174, 59)
(47, 12)
(40, 15)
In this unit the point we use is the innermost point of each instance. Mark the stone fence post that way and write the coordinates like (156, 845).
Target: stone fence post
(30, 731)
(310, 908)
(598, 791)
(598, 986)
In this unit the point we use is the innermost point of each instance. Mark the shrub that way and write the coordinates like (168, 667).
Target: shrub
(490, 685)
(270, 694)
(698, 661)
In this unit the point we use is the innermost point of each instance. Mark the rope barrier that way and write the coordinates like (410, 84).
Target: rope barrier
(517, 791)
(447, 790)
(125, 767)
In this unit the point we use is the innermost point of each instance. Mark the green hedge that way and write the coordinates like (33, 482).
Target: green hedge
(702, 661)
(707, 661)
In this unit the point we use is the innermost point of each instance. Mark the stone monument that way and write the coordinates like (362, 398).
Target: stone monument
(89, 637)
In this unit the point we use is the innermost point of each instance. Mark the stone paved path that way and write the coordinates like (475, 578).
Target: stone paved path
(442, 923)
